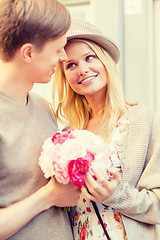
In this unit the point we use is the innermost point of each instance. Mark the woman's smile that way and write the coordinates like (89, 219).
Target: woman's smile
(88, 80)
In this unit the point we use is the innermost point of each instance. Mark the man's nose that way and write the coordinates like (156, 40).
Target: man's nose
(63, 56)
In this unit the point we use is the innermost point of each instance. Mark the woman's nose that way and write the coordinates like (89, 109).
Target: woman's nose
(82, 69)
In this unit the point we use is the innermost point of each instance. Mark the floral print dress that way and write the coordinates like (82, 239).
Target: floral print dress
(85, 223)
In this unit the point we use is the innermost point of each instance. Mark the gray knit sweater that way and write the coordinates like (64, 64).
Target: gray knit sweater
(23, 129)
(138, 196)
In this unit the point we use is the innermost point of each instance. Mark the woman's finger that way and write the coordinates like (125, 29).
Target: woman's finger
(100, 187)
(112, 177)
(87, 194)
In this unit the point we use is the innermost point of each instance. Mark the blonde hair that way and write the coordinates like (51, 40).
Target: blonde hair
(74, 109)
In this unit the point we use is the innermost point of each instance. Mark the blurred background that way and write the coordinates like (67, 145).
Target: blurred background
(134, 27)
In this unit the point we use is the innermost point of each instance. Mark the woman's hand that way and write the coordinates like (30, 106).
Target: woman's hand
(102, 188)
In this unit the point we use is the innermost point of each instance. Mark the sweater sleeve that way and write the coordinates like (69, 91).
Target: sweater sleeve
(138, 195)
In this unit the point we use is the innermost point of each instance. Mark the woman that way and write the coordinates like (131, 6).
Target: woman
(91, 97)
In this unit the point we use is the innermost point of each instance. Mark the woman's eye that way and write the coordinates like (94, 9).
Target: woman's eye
(70, 65)
(90, 57)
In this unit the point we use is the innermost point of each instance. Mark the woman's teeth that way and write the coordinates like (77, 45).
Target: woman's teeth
(88, 79)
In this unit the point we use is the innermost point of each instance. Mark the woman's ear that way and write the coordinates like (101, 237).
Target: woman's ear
(26, 52)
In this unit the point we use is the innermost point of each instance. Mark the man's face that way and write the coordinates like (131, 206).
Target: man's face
(45, 61)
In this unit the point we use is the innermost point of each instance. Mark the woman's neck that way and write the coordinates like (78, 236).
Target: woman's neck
(95, 121)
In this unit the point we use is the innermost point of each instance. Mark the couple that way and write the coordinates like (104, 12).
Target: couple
(32, 42)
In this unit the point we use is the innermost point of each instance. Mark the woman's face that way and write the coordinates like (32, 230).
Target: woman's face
(84, 71)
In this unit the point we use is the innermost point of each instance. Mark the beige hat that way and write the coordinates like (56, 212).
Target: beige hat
(83, 30)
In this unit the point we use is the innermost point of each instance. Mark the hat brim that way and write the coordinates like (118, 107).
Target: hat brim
(103, 41)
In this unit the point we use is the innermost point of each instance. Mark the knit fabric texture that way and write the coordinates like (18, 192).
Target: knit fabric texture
(137, 197)
(23, 129)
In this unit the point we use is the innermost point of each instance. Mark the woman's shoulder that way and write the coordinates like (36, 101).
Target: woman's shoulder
(140, 106)
(140, 109)
(141, 115)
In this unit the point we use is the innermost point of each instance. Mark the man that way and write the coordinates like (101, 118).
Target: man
(32, 37)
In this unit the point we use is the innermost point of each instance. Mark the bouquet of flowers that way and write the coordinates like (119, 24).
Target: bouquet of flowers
(70, 154)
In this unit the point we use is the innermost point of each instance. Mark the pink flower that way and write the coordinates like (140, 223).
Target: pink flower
(83, 233)
(61, 137)
(78, 168)
(61, 172)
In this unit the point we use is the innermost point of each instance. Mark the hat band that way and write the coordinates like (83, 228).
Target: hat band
(78, 31)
